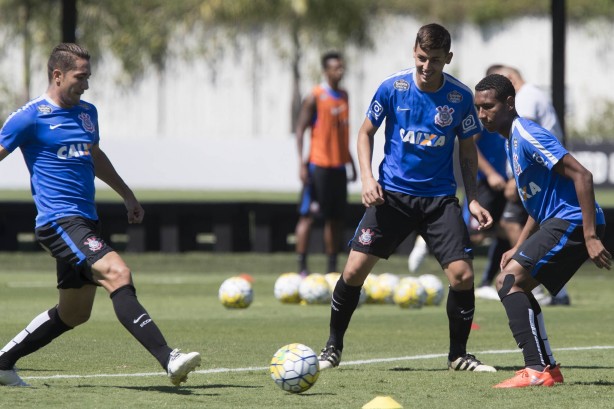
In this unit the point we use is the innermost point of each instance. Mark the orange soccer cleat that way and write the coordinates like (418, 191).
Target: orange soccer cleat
(555, 371)
(528, 377)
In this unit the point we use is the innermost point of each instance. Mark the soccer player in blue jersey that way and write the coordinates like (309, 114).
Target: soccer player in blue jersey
(564, 228)
(425, 110)
(58, 135)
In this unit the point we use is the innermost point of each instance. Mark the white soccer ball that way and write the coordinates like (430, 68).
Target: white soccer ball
(409, 293)
(286, 288)
(433, 287)
(295, 368)
(314, 289)
(388, 282)
(236, 292)
(372, 289)
(331, 279)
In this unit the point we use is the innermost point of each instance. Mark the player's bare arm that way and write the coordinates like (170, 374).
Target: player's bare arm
(582, 178)
(303, 122)
(372, 192)
(107, 173)
(469, 165)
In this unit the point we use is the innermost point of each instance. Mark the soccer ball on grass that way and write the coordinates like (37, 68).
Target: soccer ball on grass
(236, 292)
(295, 368)
(286, 288)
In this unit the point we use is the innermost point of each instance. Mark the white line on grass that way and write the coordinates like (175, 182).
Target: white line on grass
(348, 363)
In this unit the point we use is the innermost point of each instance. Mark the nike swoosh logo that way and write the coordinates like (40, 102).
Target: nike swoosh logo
(536, 381)
(402, 109)
(55, 126)
(138, 319)
(525, 256)
(468, 311)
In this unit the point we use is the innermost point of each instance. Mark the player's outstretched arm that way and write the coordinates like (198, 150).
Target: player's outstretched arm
(107, 173)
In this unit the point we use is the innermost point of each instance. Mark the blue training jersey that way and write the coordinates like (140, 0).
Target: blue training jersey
(56, 144)
(421, 128)
(492, 147)
(533, 152)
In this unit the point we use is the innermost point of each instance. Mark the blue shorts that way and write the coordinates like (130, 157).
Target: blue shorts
(76, 244)
(554, 253)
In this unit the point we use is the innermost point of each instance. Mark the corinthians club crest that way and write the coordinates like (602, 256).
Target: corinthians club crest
(93, 243)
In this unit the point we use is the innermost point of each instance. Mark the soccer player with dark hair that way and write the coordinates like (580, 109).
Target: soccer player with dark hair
(564, 228)
(425, 110)
(59, 138)
(323, 171)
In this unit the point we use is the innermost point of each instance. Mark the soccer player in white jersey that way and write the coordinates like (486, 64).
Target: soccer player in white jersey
(425, 110)
(564, 228)
(58, 136)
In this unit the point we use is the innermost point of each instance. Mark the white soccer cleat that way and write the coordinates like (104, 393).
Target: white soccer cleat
(417, 255)
(469, 362)
(487, 292)
(180, 365)
(329, 357)
(541, 296)
(9, 377)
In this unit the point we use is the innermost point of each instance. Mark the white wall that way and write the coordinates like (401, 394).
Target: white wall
(195, 128)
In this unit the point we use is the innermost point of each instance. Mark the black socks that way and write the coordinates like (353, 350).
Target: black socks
(137, 321)
(460, 308)
(40, 331)
(343, 304)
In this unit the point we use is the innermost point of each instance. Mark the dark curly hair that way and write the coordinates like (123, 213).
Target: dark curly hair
(500, 84)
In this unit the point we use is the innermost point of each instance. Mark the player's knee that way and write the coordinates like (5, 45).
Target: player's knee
(75, 317)
(460, 276)
(505, 282)
(118, 275)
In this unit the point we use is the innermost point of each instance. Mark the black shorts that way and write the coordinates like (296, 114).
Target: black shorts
(554, 253)
(515, 212)
(492, 200)
(76, 244)
(326, 195)
(437, 219)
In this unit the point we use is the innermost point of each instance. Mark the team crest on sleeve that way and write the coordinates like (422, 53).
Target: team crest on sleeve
(538, 159)
(401, 85)
(455, 97)
(376, 109)
(444, 115)
(93, 243)
(87, 123)
(469, 124)
(366, 238)
(44, 109)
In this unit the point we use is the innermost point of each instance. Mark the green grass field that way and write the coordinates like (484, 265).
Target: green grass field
(388, 352)
(605, 197)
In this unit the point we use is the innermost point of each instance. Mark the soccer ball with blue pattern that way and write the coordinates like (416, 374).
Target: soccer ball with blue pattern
(295, 368)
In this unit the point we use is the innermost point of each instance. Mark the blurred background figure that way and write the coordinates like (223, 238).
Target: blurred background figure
(323, 172)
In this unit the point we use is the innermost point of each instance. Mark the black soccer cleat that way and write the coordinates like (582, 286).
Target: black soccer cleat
(329, 357)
